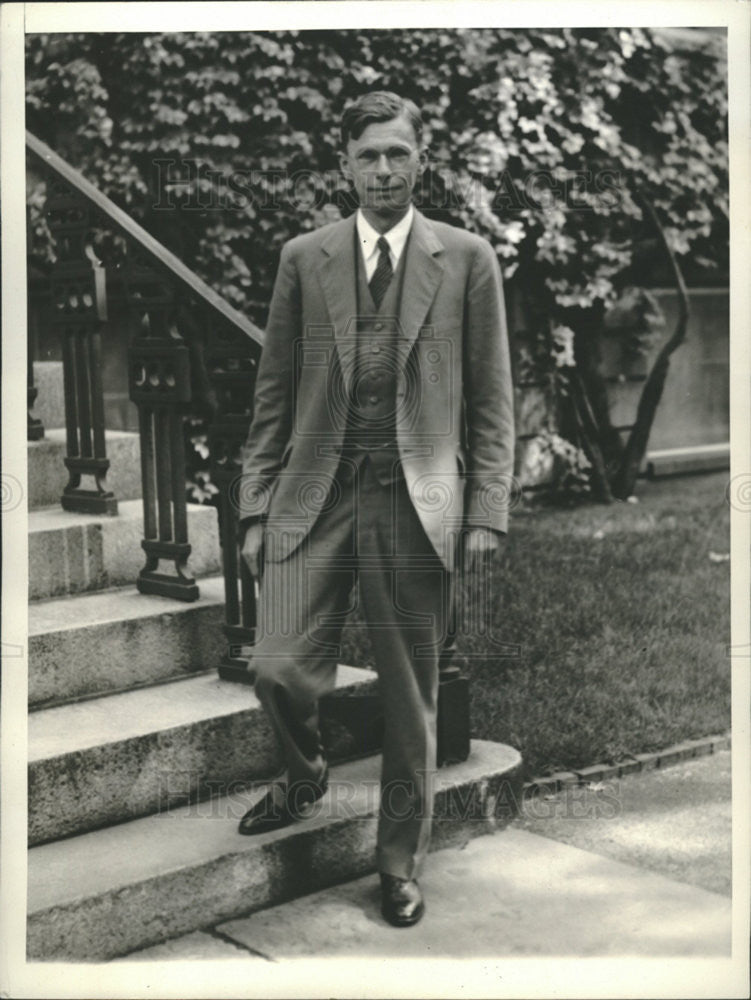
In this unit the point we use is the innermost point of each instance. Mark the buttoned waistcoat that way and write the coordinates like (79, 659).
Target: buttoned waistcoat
(454, 405)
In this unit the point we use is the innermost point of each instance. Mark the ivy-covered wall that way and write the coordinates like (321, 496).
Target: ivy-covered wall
(544, 141)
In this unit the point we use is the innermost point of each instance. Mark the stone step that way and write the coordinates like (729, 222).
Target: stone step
(49, 406)
(482, 907)
(47, 475)
(113, 891)
(73, 553)
(116, 640)
(113, 758)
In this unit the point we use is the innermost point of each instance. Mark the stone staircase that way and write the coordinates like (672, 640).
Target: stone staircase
(141, 760)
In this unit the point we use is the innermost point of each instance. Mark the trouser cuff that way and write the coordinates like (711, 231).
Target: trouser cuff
(409, 868)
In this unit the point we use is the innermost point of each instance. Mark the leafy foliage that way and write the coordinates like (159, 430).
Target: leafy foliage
(541, 140)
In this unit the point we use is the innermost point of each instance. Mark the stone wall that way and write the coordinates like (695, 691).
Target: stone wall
(694, 409)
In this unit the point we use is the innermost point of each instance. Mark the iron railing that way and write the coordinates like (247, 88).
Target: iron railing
(190, 349)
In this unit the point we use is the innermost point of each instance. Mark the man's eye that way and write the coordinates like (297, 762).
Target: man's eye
(395, 157)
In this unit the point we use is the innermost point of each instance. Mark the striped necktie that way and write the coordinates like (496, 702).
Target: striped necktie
(383, 272)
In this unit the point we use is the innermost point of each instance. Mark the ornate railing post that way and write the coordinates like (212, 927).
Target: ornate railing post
(231, 361)
(453, 724)
(34, 426)
(453, 736)
(159, 382)
(79, 311)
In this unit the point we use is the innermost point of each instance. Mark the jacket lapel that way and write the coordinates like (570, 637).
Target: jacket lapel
(422, 276)
(337, 275)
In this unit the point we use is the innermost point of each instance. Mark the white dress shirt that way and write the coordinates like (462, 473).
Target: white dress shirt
(368, 240)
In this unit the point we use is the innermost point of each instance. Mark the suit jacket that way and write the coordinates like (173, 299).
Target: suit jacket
(454, 411)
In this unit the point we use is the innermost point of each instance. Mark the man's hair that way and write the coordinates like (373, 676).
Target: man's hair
(379, 106)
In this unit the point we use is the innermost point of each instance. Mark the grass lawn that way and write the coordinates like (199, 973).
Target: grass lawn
(621, 621)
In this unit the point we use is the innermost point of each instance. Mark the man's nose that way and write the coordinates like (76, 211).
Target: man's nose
(383, 166)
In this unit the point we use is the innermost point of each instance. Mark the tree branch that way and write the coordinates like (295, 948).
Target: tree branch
(636, 446)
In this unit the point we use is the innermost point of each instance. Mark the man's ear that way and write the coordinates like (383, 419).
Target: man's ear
(422, 161)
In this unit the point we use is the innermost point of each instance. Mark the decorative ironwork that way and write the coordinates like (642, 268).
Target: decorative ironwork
(79, 311)
(453, 731)
(34, 426)
(230, 360)
(453, 735)
(160, 386)
(167, 376)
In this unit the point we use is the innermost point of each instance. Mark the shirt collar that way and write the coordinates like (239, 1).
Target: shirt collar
(397, 236)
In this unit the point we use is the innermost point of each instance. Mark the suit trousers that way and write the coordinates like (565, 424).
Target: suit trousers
(368, 534)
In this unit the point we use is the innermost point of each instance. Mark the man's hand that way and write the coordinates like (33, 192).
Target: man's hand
(481, 545)
(251, 549)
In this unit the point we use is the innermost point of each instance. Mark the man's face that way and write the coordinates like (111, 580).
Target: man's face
(383, 165)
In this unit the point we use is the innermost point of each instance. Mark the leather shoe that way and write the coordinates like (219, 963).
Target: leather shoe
(282, 804)
(401, 900)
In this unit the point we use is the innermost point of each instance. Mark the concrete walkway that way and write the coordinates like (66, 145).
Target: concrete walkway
(674, 820)
(636, 867)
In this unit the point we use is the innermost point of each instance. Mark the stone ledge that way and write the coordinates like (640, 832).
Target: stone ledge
(693, 458)
(113, 891)
(114, 758)
(147, 640)
(75, 553)
(47, 475)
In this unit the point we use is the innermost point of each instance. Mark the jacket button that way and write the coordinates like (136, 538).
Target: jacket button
(375, 349)
(378, 326)
(373, 399)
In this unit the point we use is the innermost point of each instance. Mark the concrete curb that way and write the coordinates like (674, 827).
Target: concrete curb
(550, 784)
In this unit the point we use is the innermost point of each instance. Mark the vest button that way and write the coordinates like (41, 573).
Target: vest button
(373, 399)
(375, 349)
(378, 327)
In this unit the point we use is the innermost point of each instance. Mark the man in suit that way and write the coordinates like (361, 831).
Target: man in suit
(382, 438)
